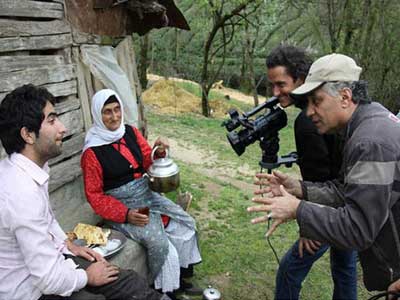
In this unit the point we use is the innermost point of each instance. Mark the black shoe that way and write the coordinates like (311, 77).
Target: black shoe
(190, 289)
(187, 272)
(172, 295)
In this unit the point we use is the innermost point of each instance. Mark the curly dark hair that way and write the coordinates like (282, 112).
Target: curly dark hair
(294, 59)
(23, 107)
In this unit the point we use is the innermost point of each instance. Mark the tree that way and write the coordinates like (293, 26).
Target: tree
(224, 21)
(143, 60)
(368, 31)
(230, 37)
(250, 44)
(258, 32)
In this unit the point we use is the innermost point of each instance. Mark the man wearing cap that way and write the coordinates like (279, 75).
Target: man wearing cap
(363, 212)
(319, 159)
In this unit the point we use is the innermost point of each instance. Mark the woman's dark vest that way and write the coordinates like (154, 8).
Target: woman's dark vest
(117, 171)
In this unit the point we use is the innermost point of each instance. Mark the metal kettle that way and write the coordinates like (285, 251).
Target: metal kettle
(163, 173)
(211, 293)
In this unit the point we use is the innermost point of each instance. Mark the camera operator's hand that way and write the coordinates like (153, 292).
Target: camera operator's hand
(310, 246)
(281, 208)
(395, 288)
(274, 180)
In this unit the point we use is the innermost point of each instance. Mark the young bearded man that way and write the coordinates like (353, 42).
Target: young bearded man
(319, 161)
(36, 259)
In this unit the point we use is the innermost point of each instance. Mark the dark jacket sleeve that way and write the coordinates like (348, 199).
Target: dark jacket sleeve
(367, 195)
(319, 155)
(326, 193)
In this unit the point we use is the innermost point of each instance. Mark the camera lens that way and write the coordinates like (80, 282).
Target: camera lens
(235, 142)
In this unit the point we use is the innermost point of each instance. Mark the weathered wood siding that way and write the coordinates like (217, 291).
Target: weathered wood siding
(31, 9)
(38, 46)
(35, 47)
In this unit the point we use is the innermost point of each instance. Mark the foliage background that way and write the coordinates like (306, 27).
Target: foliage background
(367, 30)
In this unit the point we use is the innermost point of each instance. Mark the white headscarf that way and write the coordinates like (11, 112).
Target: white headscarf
(98, 134)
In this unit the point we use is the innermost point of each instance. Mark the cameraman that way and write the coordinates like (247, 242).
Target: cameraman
(363, 211)
(319, 161)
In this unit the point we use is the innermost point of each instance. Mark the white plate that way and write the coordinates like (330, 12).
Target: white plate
(115, 235)
(118, 236)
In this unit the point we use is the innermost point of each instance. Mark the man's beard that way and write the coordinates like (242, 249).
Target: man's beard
(53, 151)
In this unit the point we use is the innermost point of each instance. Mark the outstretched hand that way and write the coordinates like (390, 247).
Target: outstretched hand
(270, 183)
(281, 208)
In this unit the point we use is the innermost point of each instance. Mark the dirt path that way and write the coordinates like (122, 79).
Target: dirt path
(222, 90)
(196, 157)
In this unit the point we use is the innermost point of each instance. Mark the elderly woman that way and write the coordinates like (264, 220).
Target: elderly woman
(114, 159)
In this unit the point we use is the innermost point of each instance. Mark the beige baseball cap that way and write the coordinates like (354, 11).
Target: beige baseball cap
(332, 67)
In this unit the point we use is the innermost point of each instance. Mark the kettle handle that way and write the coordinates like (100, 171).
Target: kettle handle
(154, 151)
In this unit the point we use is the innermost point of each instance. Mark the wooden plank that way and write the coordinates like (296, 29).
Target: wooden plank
(66, 53)
(69, 148)
(32, 9)
(67, 105)
(22, 62)
(60, 89)
(64, 172)
(89, 83)
(126, 59)
(85, 38)
(97, 84)
(59, 1)
(13, 28)
(35, 43)
(82, 89)
(36, 76)
(72, 121)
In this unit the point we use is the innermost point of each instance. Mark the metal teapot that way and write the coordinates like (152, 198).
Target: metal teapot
(163, 173)
(211, 294)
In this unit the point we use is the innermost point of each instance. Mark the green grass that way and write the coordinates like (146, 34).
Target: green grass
(236, 257)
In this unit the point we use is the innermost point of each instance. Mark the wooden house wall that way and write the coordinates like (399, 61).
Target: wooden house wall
(38, 46)
(35, 47)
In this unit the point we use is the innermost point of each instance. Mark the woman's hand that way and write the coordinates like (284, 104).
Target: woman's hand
(162, 144)
(136, 218)
(85, 252)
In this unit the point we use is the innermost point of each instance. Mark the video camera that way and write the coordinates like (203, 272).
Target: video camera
(264, 128)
